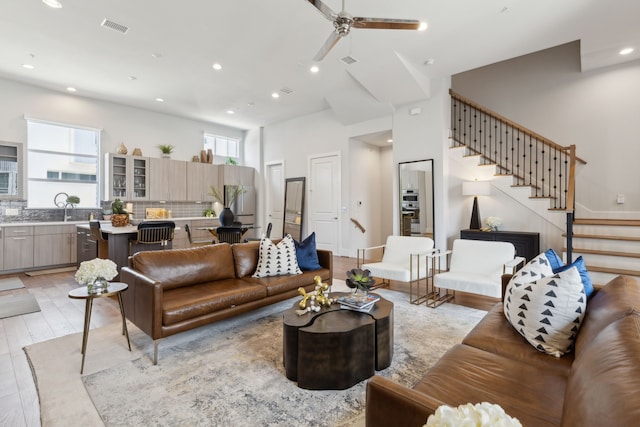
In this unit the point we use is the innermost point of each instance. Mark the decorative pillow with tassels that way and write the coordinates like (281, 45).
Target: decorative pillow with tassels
(547, 312)
(276, 260)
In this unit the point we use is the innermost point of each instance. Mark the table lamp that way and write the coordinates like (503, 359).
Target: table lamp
(475, 189)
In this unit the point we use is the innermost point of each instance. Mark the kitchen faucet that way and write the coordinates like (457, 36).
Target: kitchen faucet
(63, 204)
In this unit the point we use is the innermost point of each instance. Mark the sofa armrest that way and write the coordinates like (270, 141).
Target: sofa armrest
(389, 403)
(143, 302)
(325, 258)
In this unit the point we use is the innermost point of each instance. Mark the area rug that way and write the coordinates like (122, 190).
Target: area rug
(227, 373)
(18, 304)
(11, 283)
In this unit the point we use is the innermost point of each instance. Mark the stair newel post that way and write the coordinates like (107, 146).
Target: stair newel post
(571, 191)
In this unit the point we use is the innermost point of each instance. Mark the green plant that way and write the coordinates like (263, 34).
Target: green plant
(209, 213)
(117, 207)
(166, 148)
(107, 212)
(233, 191)
(232, 161)
(73, 200)
(359, 279)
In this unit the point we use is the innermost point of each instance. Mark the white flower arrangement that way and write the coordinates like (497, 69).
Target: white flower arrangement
(479, 415)
(89, 271)
(493, 222)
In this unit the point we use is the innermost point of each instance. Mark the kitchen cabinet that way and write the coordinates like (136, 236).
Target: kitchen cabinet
(11, 172)
(237, 175)
(18, 247)
(527, 244)
(167, 180)
(54, 245)
(200, 176)
(1, 249)
(86, 247)
(126, 177)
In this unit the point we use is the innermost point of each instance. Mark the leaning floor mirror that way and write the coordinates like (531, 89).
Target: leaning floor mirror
(416, 198)
(293, 207)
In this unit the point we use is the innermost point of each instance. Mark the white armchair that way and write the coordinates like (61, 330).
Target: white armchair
(404, 258)
(477, 266)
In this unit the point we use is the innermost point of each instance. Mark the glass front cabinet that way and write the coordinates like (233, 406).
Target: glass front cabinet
(10, 170)
(127, 177)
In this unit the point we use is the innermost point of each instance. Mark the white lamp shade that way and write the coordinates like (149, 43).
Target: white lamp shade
(476, 188)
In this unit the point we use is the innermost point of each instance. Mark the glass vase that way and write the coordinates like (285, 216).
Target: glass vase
(98, 286)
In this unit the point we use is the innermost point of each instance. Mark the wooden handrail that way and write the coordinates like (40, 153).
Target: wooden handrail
(526, 131)
(357, 223)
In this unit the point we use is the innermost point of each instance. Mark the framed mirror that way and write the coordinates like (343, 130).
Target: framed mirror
(293, 207)
(416, 198)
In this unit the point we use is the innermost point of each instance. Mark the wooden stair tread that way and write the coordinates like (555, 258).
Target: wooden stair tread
(608, 253)
(602, 221)
(613, 271)
(604, 237)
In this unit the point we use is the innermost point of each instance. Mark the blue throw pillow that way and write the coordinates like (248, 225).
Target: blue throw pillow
(554, 259)
(584, 274)
(306, 254)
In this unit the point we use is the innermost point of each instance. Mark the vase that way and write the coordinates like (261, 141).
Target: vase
(361, 294)
(98, 286)
(226, 217)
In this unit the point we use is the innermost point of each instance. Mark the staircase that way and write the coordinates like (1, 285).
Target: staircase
(531, 168)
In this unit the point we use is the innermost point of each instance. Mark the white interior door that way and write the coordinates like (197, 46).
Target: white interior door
(324, 201)
(275, 198)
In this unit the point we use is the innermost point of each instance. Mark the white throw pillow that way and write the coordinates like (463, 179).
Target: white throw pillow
(547, 312)
(274, 260)
(536, 269)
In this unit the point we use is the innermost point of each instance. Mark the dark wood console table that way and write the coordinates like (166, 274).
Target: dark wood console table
(527, 244)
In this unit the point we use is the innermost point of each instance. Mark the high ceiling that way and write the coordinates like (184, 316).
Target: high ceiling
(267, 46)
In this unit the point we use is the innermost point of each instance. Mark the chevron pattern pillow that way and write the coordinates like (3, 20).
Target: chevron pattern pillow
(275, 260)
(548, 312)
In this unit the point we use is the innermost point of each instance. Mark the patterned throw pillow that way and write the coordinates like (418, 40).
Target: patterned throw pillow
(538, 268)
(547, 312)
(274, 260)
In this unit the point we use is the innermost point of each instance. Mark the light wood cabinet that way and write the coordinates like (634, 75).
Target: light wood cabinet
(18, 247)
(126, 177)
(168, 180)
(54, 245)
(237, 175)
(200, 176)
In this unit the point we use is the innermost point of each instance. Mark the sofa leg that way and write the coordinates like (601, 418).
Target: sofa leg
(155, 352)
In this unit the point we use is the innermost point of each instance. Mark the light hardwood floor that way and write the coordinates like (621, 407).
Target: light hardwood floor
(61, 316)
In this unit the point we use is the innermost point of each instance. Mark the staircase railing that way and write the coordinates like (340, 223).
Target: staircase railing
(533, 160)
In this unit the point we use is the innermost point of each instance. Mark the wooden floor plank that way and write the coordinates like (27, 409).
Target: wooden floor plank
(27, 389)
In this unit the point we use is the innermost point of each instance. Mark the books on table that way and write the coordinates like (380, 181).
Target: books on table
(357, 302)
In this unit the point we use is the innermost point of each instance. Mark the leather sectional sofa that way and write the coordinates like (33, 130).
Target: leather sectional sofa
(176, 290)
(597, 384)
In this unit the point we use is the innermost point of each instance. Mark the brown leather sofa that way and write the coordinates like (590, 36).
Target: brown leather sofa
(176, 290)
(598, 384)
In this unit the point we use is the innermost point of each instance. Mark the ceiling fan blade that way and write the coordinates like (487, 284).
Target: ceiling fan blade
(386, 24)
(328, 45)
(324, 9)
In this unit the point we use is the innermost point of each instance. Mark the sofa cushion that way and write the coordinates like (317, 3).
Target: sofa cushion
(584, 274)
(548, 312)
(605, 379)
(469, 375)
(277, 259)
(280, 284)
(469, 282)
(307, 254)
(245, 256)
(615, 300)
(495, 335)
(184, 267)
(191, 302)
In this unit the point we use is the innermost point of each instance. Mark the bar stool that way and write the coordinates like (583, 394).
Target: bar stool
(103, 244)
(153, 236)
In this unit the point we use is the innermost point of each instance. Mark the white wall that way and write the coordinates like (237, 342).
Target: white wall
(596, 110)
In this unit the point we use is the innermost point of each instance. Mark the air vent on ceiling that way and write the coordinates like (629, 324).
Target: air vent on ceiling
(348, 60)
(286, 90)
(115, 26)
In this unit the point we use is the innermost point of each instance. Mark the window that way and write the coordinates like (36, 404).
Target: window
(62, 159)
(222, 146)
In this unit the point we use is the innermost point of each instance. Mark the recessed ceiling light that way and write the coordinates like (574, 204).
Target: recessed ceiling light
(423, 26)
(389, 140)
(28, 66)
(132, 78)
(275, 95)
(52, 3)
(230, 111)
(217, 66)
(626, 51)
(159, 99)
(314, 69)
(156, 55)
(71, 89)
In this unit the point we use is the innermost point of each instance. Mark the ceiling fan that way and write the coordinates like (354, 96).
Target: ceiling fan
(343, 22)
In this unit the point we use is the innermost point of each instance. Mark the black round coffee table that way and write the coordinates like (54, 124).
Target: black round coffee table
(336, 348)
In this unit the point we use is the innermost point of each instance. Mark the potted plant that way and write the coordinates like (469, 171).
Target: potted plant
(120, 217)
(106, 214)
(226, 216)
(166, 150)
(360, 280)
